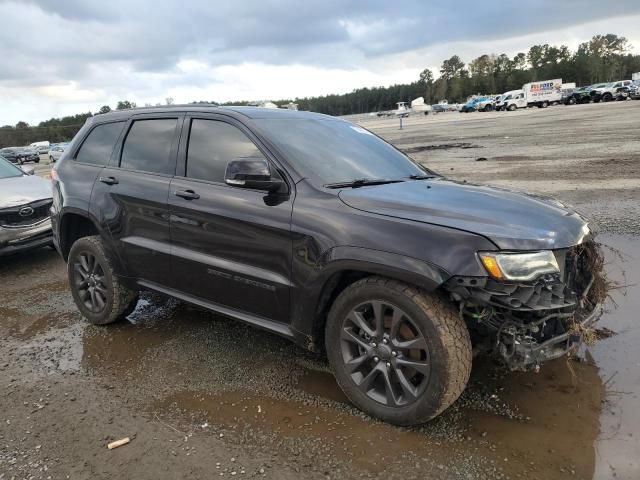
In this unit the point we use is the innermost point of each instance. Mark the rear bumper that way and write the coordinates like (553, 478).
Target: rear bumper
(13, 240)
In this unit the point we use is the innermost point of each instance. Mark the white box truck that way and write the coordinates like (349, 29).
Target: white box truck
(537, 94)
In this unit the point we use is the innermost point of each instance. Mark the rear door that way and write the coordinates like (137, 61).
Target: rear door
(130, 195)
(231, 246)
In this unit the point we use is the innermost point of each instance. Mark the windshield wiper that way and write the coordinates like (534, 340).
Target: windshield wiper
(361, 182)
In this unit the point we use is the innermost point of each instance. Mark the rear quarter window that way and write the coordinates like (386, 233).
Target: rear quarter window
(98, 146)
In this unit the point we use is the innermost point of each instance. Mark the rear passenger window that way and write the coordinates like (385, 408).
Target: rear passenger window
(148, 145)
(97, 148)
(212, 144)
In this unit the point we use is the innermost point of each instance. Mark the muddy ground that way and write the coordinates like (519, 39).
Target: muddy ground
(202, 396)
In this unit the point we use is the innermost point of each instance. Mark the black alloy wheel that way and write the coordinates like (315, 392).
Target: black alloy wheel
(385, 353)
(89, 282)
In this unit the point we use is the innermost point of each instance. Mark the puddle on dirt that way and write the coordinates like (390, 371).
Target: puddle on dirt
(545, 425)
(618, 358)
(322, 384)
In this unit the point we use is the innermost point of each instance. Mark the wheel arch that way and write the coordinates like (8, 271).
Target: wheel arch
(74, 224)
(344, 266)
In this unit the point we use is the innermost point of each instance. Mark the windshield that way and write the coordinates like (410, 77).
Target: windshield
(7, 170)
(334, 151)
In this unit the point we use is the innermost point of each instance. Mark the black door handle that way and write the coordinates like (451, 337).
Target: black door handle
(109, 180)
(186, 194)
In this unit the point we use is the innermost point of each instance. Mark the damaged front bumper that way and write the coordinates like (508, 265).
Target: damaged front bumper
(523, 352)
(528, 323)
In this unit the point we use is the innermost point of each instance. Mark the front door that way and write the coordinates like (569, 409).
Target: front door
(230, 246)
(131, 196)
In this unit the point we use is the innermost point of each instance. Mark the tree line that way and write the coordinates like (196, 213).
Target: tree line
(604, 58)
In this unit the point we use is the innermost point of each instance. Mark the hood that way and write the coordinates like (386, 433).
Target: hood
(511, 220)
(20, 190)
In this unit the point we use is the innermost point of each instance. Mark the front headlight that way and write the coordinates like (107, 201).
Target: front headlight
(519, 266)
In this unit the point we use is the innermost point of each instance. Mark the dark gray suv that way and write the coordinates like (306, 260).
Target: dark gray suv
(318, 230)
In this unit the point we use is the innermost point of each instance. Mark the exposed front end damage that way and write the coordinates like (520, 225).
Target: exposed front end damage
(527, 323)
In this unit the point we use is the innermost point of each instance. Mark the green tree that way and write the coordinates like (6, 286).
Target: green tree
(125, 105)
(104, 109)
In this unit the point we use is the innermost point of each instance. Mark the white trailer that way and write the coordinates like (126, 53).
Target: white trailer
(635, 76)
(537, 94)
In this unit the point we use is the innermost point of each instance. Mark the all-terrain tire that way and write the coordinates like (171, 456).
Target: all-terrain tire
(120, 301)
(445, 333)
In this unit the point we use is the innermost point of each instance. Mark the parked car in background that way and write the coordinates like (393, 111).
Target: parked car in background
(634, 90)
(479, 104)
(537, 94)
(445, 106)
(25, 202)
(11, 154)
(501, 101)
(28, 154)
(41, 147)
(56, 151)
(610, 91)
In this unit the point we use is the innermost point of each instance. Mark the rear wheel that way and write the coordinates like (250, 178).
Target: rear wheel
(544, 104)
(398, 353)
(98, 292)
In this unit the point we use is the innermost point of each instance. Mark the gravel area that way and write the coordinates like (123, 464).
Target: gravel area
(202, 396)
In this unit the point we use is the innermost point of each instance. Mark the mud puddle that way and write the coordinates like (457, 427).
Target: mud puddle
(441, 146)
(192, 368)
(618, 359)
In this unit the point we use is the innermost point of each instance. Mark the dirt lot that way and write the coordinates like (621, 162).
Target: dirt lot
(203, 397)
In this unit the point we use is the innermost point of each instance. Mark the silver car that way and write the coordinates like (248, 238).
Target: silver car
(55, 152)
(25, 201)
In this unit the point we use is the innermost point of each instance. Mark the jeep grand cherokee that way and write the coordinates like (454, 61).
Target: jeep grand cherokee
(318, 230)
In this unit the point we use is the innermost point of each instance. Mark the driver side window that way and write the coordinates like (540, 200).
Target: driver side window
(212, 144)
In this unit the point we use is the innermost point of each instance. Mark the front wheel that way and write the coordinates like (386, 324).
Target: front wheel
(511, 108)
(398, 353)
(97, 291)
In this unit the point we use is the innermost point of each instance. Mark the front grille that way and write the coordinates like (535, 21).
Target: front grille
(26, 214)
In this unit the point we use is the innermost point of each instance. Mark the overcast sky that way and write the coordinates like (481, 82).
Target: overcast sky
(69, 56)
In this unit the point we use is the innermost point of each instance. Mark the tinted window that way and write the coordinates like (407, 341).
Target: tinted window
(212, 145)
(98, 146)
(336, 151)
(148, 145)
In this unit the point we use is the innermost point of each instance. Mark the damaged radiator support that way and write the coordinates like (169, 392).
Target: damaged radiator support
(527, 323)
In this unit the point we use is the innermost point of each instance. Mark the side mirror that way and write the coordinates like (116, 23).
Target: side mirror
(251, 173)
(29, 170)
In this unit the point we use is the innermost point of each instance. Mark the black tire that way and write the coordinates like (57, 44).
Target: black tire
(544, 104)
(419, 381)
(91, 275)
(607, 97)
(488, 108)
(51, 159)
(511, 107)
(571, 101)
